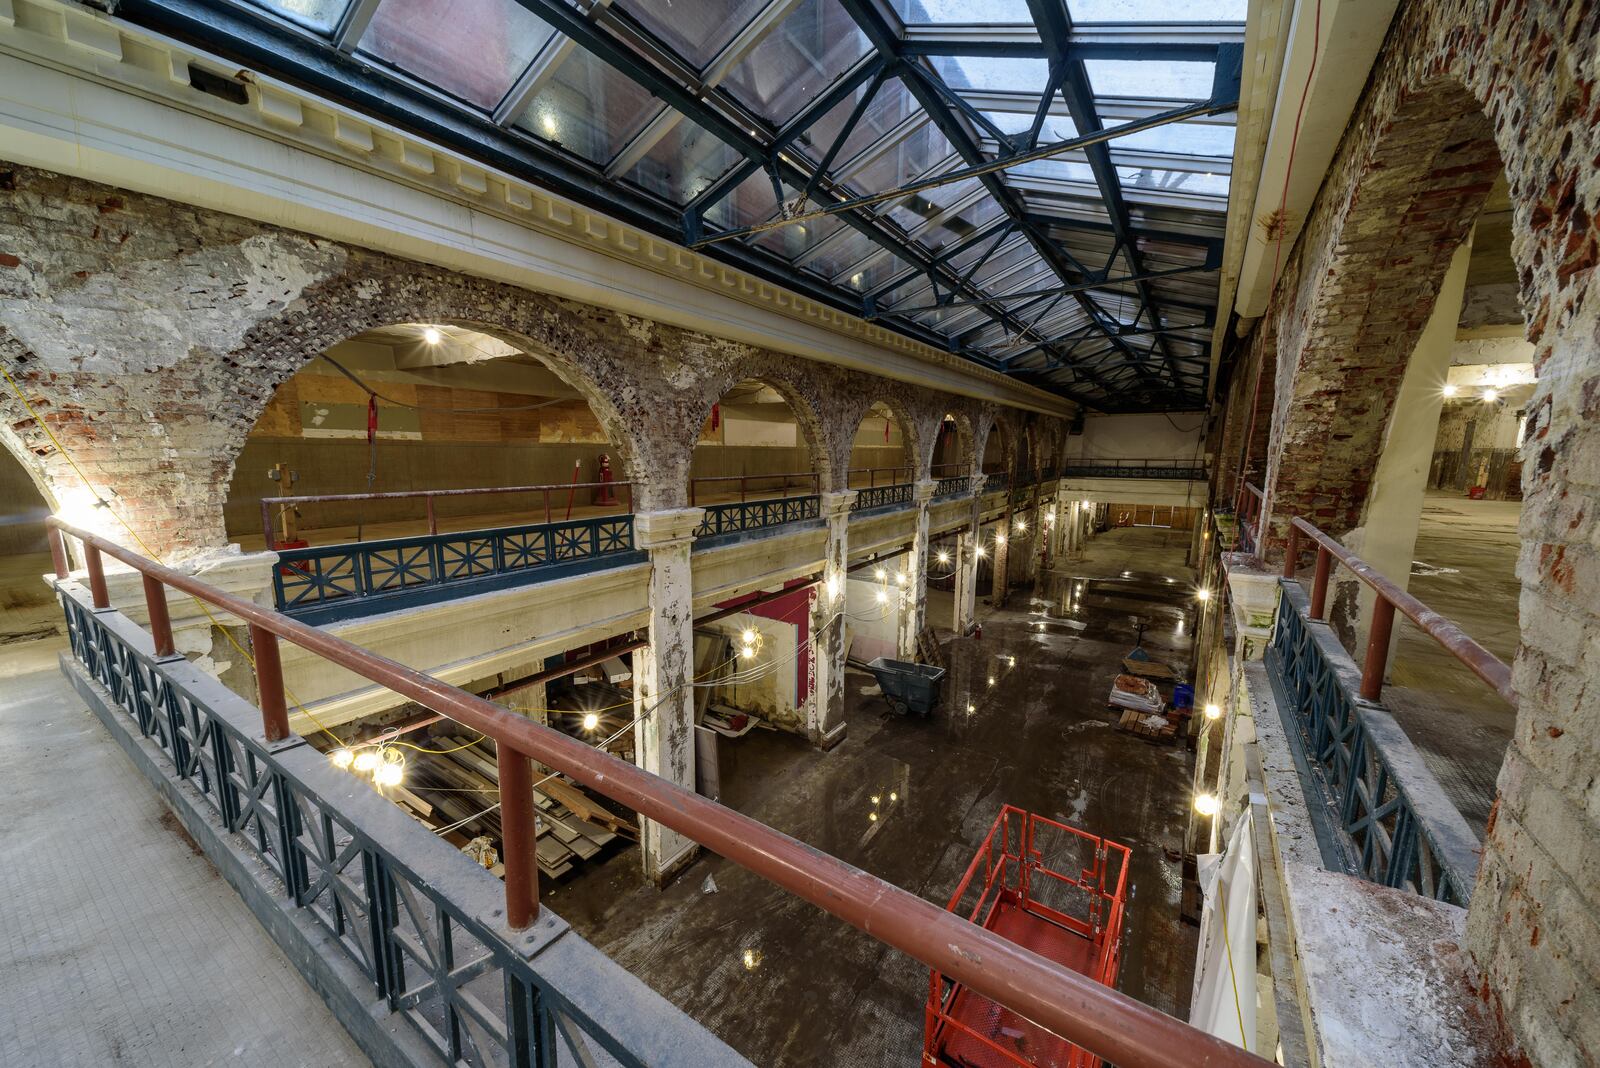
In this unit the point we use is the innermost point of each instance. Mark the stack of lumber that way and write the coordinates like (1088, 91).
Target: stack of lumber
(453, 787)
(928, 648)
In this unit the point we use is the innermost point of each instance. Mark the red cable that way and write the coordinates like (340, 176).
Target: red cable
(1277, 263)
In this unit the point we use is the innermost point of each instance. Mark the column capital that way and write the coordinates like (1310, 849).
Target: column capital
(656, 530)
(837, 503)
(922, 490)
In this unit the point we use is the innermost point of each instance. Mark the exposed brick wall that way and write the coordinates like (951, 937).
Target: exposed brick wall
(150, 336)
(1460, 87)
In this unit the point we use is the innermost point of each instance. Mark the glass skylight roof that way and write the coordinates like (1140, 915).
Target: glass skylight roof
(707, 121)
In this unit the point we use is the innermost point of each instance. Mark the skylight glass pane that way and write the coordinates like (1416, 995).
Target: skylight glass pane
(914, 211)
(1056, 127)
(795, 239)
(798, 61)
(319, 15)
(684, 162)
(1011, 74)
(1188, 138)
(1215, 185)
(695, 29)
(1144, 78)
(883, 269)
(848, 248)
(1061, 170)
(472, 49)
(1157, 10)
(912, 156)
(588, 108)
(1005, 12)
(891, 106)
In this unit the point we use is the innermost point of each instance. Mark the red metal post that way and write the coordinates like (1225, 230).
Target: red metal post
(1319, 584)
(97, 576)
(1293, 551)
(1377, 649)
(58, 552)
(155, 599)
(269, 683)
(433, 520)
(517, 836)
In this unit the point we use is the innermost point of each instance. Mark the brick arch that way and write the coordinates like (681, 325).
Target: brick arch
(965, 439)
(1343, 343)
(997, 423)
(578, 344)
(806, 397)
(912, 432)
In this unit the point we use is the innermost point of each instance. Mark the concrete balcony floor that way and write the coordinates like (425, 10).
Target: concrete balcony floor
(120, 943)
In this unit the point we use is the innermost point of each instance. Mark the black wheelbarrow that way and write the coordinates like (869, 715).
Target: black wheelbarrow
(909, 688)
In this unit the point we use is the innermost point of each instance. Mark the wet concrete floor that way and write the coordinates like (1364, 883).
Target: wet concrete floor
(1465, 568)
(786, 984)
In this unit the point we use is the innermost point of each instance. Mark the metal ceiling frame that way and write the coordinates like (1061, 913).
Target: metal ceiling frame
(1100, 379)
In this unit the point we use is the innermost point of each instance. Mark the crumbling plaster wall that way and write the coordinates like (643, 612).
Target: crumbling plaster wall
(149, 336)
(1460, 87)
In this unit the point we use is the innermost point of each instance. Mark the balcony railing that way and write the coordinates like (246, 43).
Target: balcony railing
(480, 985)
(742, 517)
(328, 582)
(779, 482)
(953, 486)
(1183, 469)
(1394, 823)
(995, 481)
(875, 497)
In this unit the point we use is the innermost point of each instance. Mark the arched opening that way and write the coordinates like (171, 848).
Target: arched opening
(754, 462)
(952, 449)
(423, 429)
(882, 457)
(27, 607)
(996, 458)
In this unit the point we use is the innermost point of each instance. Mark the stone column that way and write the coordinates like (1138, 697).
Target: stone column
(1001, 562)
(663, 697)
(966, 598)
(826, 725)
(914, 594)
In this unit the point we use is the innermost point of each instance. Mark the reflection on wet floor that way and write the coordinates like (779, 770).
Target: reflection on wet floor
(909, 799)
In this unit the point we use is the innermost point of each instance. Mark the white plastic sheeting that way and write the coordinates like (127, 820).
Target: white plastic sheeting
(1224, 1000)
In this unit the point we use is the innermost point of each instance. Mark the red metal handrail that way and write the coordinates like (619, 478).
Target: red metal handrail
(267, 503)
(872, 475)
(1073, 1006)
(744, 480)
(1480, 661)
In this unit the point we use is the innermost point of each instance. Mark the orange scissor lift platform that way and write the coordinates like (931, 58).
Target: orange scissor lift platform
(1018, 886)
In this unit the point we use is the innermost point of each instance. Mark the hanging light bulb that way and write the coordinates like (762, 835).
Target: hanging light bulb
(1206, 804)
(366, 761)
(748, 636)
(833, 587)
(893, 796)
(389, 774)
(590, 721)
(747, 651)
(899, 578)
(1450, 389)
(883, 597)
(432, 336)
(1491, 395)
(342, 758)
(1202, 594)
(944, 557)
(879, 573)
(980, 552)
(999, 538)
(1021, 525)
